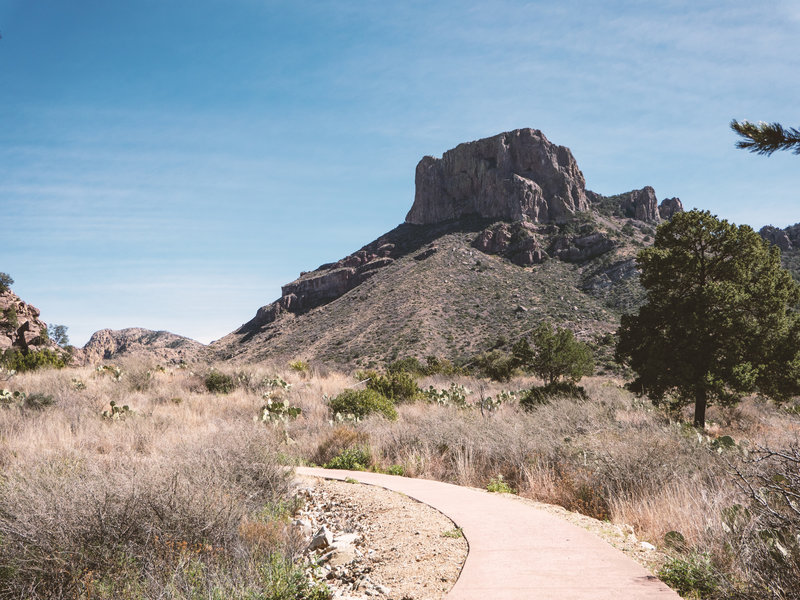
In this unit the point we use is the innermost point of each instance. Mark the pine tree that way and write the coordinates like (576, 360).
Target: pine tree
(766, 138)
(720, 318)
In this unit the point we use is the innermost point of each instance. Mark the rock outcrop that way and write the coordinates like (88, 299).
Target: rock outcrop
(785, 239)
(109, 344)
(515, 176)
(20, 326)
(641, 205)
(518, 242)
(669, 207)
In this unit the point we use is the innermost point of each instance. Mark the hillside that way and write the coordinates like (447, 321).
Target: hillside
(162, 346)
(502, 235)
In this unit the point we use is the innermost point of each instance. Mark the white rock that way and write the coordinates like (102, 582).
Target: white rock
(647, 546)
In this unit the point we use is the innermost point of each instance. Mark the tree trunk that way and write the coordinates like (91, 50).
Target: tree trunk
(700, 401)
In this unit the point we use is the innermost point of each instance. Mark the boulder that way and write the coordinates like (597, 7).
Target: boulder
(515, 176)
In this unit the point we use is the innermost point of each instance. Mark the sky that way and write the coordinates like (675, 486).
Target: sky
(170, 165)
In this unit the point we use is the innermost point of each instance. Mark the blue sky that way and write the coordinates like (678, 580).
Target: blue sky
(170, 164)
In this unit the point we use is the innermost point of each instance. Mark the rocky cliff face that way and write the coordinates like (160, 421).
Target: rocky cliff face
(515, 176)
(20, 326)
(785, 239)
(108, 344)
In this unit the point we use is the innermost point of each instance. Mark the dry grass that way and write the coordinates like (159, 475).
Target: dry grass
(191, 470)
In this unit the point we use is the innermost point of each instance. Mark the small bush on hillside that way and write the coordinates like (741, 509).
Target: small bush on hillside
(536, 396)
(495, 364)
(5, 281)
(10, 320)
(31, 360)
(219, 383)
(398, 386)
(361, 403)
(299, 366)
(433, 366)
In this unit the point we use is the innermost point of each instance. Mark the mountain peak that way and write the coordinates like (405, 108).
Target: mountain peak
(516, 176)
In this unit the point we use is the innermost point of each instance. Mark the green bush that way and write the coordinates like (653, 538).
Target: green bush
(361, 403)
(536, 396)
(219, 383)
(499, 485)
(496, 364)
(30, 360)
(398, 386)
(10, 320)
(691, 576)
(351, 459)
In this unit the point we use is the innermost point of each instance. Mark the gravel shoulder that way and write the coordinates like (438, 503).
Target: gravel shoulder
(383, 544)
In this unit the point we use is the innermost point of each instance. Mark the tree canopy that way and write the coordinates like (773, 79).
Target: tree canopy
(720, 318)
(556, 354)
(766, 138)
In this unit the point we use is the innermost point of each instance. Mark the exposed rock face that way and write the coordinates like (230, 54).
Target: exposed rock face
(785, 239)
(580, 248)
(513, 176)
(669, 207)
(20, 326)
(327, 283)
(108, 344)
(643, 204)
(516, 241)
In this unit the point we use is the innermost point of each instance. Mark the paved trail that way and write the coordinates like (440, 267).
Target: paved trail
(517, 552)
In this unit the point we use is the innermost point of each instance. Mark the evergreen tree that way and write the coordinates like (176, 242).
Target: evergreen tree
(720, 317)
(555, 355)
(766, 138)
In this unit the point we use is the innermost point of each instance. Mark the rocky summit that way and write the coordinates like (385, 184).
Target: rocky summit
(163, 346)
(20, 325)
(502, 234)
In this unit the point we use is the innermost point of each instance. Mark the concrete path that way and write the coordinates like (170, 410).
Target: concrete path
(517, 552)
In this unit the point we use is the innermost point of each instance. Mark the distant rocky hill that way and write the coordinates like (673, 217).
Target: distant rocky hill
(502, 235)
(163, 346)
(20, 325)
(788, 240)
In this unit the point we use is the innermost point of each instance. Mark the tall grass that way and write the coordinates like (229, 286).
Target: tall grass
(180, 498)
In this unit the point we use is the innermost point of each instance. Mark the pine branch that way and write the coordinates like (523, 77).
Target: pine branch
(766, 138)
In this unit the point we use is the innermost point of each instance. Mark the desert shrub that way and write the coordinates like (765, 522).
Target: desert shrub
(410, 364)
(692, 576)
(31, 360)
(499, 485)
(38, 401)
(397, 386)
(335, 442)
(352, 459)
(361, 403)
(299, 366)
(538, 395)
(219, 383)
(495, 364)
(765, 536)
(81, 529)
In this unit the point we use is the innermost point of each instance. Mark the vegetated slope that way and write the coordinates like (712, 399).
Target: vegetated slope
(440, 295)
